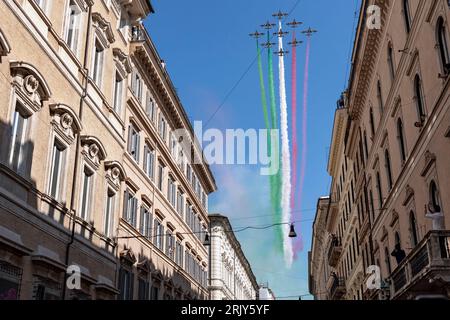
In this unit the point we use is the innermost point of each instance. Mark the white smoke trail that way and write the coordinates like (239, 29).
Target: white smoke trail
(285, 158)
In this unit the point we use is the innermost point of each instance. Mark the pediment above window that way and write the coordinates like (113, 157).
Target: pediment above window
(123, 62)
(115, 173)
(5, 48)
(65, 121)
(409, 194)
(104, 30)
(30, 85)
(430, 159)
(93, 150)
(127, 256)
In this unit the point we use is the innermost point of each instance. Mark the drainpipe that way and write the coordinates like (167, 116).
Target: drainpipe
(77, 149)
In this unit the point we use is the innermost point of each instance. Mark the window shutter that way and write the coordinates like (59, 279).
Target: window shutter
(137, 147)
(125, 205)
(150, 224)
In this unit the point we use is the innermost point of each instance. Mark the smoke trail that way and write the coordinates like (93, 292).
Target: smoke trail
(276, 179)
(294, 121)
(285, 157)
(298, 246)
(263, 89)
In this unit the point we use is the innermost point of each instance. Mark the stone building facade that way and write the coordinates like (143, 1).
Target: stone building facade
(231, 275)
(395, 137)
(93, 174)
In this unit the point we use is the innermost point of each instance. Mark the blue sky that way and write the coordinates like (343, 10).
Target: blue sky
(207, 49)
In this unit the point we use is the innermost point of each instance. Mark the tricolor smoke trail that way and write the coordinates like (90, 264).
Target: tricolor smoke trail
(298, 246)
(294, 121)
(285, 157)
(275, 180)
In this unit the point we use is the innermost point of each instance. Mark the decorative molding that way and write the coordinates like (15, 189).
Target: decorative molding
(115, 173)
(93, 150)
(397, 104)
(447, 133)
(65, 121)
(394, 218)
(430, 159)
(123, 62)
(105, 34)
(409, 195)
(128, 256)
(30, 85)
(414, 61)
(5, 48)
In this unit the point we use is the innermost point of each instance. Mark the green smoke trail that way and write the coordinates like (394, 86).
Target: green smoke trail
(263, 89)
(275, 180)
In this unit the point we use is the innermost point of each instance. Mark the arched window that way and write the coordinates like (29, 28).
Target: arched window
(387, 260)
(407, 15)
(390, 60)
(413, 229)
(419, 98)
(379, 190)
(401, 139)
(380, 97)
(434, 196)
(387, 159)
(441, 34)
(372, 122)
(397, 239)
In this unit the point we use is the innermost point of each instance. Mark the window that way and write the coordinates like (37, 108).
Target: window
(379, 189)
(118, 93)
(372, 208)
(179, 254)
(372, 122)
(390, 60)
(162, 127)
(123, 23)
(180, 202)
(441, 33)
(170, 245)
(19, 129)
(434, 196)
(159, 234)
(126, 281)
(160, 176)
(387, 261)
(136, 85)
(150, 107)
(155, 293)
(86, 193)
(144, 289)
(146, 223)
(73, 16)
(173, 145)
(57, 167)
(97, 68)
(130, 206)
(407, 15)
(387, 160)
(188, 172)
(171, 191)
(413, 229)
(380, 97)
(366, 146)
(401, 139)
(419, 98)
(109, 212)
(149, 161)
(42, 4)
(133, 142)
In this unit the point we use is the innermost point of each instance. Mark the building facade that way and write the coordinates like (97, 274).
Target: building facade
(95, 176)
(318, 267)
(231, 275)
(265, 293)
(395, 138)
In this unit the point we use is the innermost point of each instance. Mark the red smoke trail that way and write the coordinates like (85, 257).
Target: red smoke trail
(294, 123)
(298, 245)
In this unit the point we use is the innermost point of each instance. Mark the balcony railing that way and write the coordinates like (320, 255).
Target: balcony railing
(334, 250)
(432, 254)
(336, 288)
(137, 34)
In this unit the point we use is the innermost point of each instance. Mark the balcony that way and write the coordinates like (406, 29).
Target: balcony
(336, 288)
(334, 251)
(426, 270)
